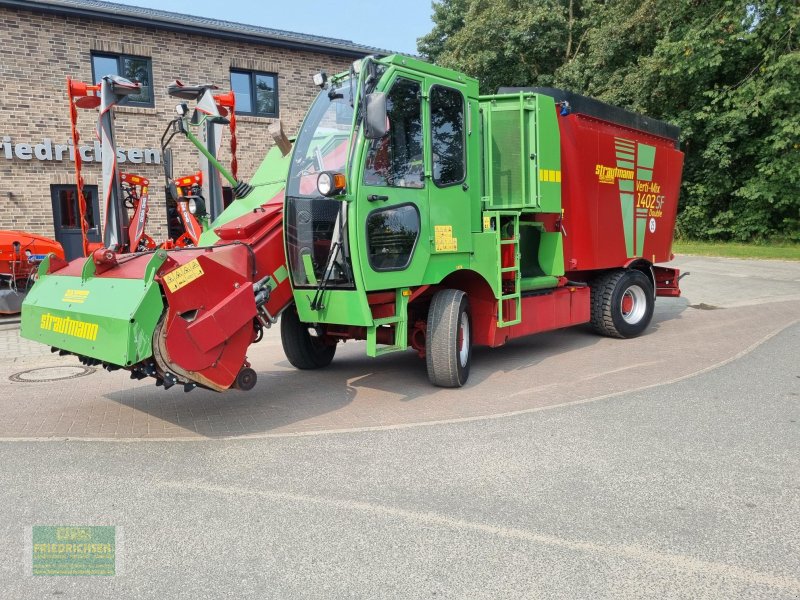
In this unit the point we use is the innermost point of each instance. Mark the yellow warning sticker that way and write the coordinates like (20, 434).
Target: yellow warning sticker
(183, 276)
(75, 296)
(487, 223)
(551, 175)
(443, 238)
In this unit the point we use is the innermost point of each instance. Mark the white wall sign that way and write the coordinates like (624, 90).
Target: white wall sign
(48, 151)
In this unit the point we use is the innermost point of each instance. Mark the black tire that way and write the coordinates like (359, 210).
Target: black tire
(302, 349)
(622, 303)
(448, 347)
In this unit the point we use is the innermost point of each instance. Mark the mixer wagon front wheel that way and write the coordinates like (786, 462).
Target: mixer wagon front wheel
(303, 350)
(622, 303)
(448, 339)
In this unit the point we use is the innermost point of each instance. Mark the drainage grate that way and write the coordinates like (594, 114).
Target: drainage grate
(43, 374)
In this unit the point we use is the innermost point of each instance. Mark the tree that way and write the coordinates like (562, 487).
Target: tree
(726, 71)
(504, 42)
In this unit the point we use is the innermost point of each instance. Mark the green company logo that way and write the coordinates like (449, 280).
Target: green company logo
(74, 550)
(641, 158)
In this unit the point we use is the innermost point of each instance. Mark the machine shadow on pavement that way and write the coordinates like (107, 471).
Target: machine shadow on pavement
(387, 385)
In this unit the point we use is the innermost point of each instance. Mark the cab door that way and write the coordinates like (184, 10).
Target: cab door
(393, 196)
(450, 208)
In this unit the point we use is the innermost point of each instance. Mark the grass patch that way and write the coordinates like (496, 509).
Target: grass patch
(738, 250)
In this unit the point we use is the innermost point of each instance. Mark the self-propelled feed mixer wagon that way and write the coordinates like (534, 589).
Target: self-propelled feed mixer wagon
(411, 212)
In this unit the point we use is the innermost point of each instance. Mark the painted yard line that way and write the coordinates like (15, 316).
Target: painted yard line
(680, 562)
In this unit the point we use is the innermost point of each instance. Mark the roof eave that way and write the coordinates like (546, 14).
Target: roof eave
(175, 26)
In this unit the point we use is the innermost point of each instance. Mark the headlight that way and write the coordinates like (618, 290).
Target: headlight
(330, 183)
(197, 207)
(324, 183)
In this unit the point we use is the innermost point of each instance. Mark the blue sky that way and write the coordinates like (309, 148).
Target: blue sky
(391, 25)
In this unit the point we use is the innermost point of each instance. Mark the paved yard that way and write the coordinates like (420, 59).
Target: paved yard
(728, 306)
(683, 491)
(571, 466)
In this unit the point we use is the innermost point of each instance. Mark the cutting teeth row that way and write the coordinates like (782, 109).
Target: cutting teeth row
(139, 372)
(87, 360)
(171, 379)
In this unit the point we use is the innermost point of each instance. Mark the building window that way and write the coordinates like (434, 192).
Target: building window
(68, 212)
(134, 68)
(67, 217)
(256, 93)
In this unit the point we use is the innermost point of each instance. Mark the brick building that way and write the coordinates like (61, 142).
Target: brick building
(47, 40)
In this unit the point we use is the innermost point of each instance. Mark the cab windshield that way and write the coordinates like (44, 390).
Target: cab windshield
(322, 142)
(316, 239)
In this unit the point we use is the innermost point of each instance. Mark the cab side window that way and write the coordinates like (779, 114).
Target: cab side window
(396, 159)
(392, 234)
(447, 136)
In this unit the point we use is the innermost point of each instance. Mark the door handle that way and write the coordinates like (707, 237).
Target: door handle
(376, 197)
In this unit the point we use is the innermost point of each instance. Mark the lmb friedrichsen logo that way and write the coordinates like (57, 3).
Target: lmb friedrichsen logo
(74, 550)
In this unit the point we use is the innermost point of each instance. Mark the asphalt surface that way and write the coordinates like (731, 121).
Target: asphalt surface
(683, 491)
(688, 489)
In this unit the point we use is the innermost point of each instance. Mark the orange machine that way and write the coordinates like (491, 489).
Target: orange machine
(20, 255)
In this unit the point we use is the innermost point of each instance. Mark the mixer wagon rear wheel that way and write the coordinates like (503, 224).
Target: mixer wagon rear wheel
(448, 339)
(302, 349)
(622, 303)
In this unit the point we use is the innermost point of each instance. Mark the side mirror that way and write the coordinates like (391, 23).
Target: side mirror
(167, 158)
(375, 124)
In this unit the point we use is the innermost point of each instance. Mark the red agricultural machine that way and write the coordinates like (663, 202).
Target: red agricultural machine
(193, 201)
(412, 213)
(127, 197)
(20, 255)
(122, 191)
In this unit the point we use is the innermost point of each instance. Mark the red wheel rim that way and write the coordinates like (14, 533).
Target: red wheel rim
(627, 304)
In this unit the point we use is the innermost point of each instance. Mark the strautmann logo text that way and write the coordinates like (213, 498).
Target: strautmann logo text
(611, 174)
(71, 327)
